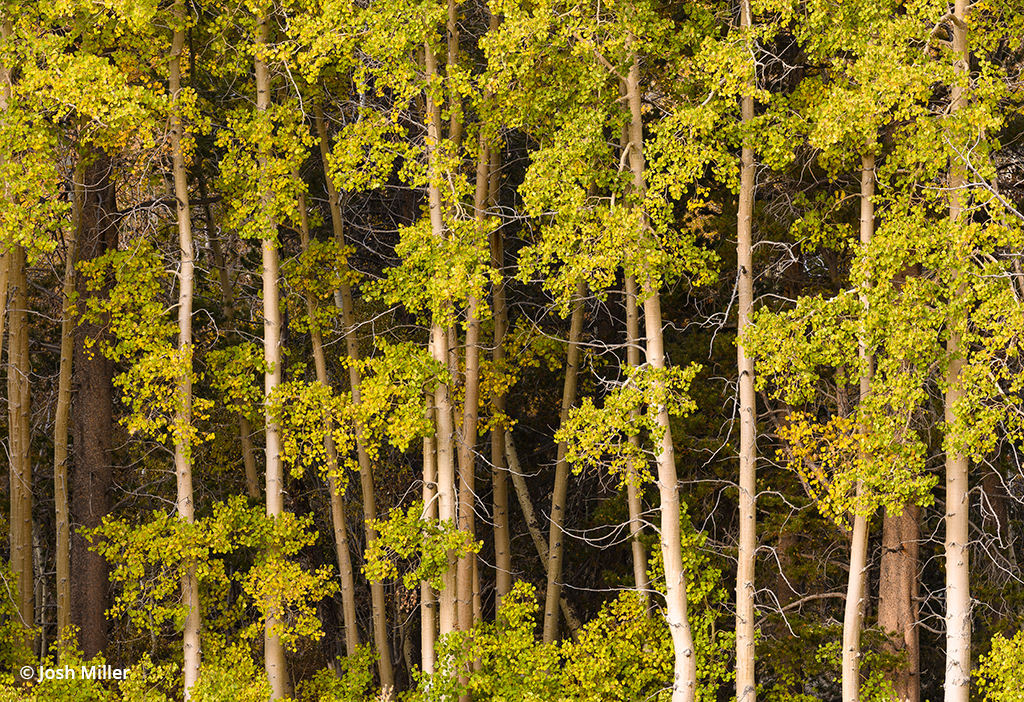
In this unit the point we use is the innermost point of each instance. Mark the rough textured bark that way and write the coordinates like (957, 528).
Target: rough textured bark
(633, 486)
(958, 582)
(897, 598)
(91, 411)
(746, 689)
(60, 430)
(561, 488)
(192, 651)
(572, 620)
(18, 403)
(273, 650)
(338, 518)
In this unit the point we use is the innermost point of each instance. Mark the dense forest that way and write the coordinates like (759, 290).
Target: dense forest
(522, 350)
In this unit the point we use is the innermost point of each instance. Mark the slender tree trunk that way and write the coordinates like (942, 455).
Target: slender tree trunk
(428, 602)
(561, 490)
(454, 105)
(502, 540)
(274, 656)
(18, 371)
(91, 412)
(18, 405)
(853, 619)
(467, 466)
(746, 690)
(338, 518)
(183, 421)
(60, 429)
(958, 582)
(685, 678)
(227, 296)
(897, 598)
(533, 526)
(684, 686)
(380, 621)
(439, 348)
(633, 484)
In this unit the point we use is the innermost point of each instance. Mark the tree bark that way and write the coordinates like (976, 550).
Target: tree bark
(60, 428)
(897, 598)
(428, 602)
(379, 604)
(192, 650)
(633, 484)
(746, 688)
(338, 518)
(227, 296)
(439, 348)
(18, 402)
(958, 583)
(502, 540)
(561, 488)
(275, 663)
(572, 620)
(91, 412)
(853, 619)
(684, 684)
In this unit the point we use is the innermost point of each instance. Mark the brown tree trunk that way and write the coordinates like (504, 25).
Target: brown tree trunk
(60, 429)
(561, 488)
(192, 651)
(338, 518)
(91, 412)
(897, 598)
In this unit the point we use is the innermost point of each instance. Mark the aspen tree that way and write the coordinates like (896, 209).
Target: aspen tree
(274, 655)
(13, 281)
(439, 348)
(856, 591)
(18, 370)
(633, 480)
(556, 534)
(746, 689)
(684, 686)
(958, 592)
(183, 449)
(338, 518)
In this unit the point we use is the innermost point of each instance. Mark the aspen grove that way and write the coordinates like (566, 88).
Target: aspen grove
(452, 350)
